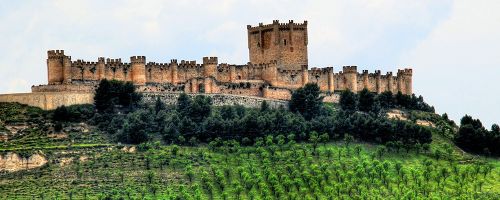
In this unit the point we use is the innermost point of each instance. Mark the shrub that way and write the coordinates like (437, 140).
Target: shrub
(74, 113)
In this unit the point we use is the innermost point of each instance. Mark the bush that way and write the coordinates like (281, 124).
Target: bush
(60, 114)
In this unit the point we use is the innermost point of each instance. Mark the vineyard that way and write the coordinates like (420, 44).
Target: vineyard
(278, 169)
(85, 161)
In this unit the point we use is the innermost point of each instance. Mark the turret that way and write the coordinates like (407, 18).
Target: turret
(173, 72)
(58, 67)
(100, 68)
(67, 69)
(305, 75)
(390, 82)
(138, 64)
(365, 79)
(351, 76)
(378, 81)
(405, 81)
(331, 85)
(232, 73)
(210, 66)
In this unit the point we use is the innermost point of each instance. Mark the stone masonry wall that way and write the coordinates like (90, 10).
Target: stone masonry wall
(49, 100)
(277, 93)
(217, 99)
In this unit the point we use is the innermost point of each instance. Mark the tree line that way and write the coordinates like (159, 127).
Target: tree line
(472, 136)
(194, 120)
(367, 101)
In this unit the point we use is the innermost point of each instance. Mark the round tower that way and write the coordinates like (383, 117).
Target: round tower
(407, 81)
(173, 71)
(378, 81)
(351, 78)
(138, 65)
(210, 66)
(100, 68)
(390, 82)
(365, 79)
(232, 73)
(331, 85)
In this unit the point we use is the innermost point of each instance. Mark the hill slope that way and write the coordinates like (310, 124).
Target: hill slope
(84, 163)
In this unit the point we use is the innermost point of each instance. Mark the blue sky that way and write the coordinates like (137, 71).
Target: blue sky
(452, 45)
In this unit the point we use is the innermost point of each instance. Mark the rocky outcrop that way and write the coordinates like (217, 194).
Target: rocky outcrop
(12, 162)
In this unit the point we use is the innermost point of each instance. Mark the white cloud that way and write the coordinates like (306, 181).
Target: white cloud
(457, 65)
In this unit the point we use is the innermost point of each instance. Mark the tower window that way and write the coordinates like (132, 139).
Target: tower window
(285, 42)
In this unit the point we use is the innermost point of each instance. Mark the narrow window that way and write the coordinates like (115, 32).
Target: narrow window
(285, 42)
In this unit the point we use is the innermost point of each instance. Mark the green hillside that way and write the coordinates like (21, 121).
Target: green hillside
(368, 146)
(89, 165)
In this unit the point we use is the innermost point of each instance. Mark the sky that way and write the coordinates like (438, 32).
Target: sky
(453, 46)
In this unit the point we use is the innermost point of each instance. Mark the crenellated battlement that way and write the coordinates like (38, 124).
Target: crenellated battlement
(324, 70)
(138, 59)
(374, 75)
(189, 64)
(81, 62)
(406, 72)
(158, 65)
(55, 54)
(116, 61)
(280, 26)
(210, 61)
(350, 69)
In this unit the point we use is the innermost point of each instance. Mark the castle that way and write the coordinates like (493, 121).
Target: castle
(278, 65)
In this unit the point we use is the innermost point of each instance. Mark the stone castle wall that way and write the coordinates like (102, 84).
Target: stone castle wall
(191, 74)
(49, 100)
(217, 99)
(278, 57)
(52, 100)
(278, 65)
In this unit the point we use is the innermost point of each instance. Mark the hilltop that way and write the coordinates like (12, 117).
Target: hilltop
(354, 149)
